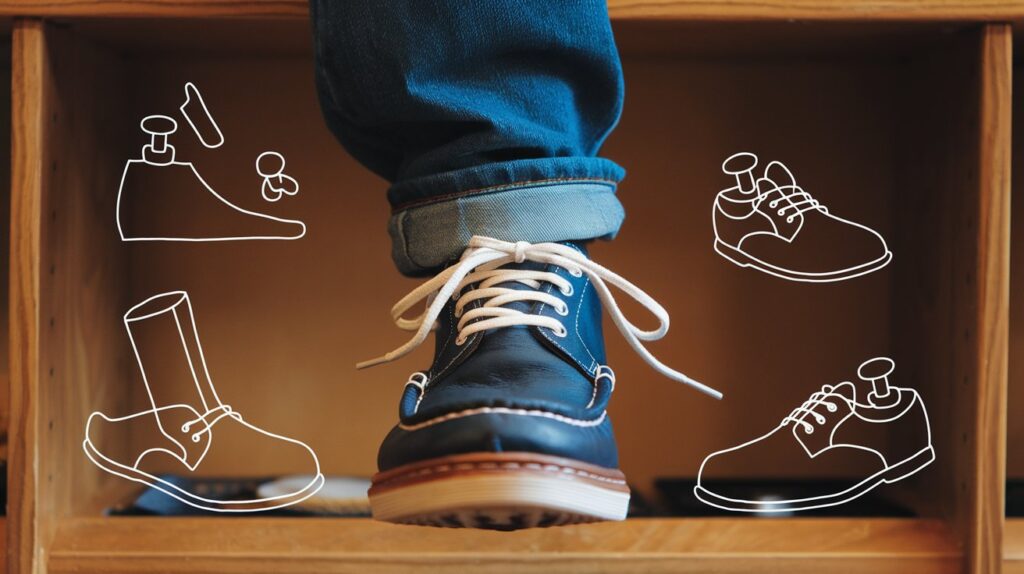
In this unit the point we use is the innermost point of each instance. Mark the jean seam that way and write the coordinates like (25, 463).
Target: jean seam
(496, 188)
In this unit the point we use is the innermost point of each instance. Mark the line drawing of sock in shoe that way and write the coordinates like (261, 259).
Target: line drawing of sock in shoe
(832, 428)
(187, 415)
(184, 207)
(771, 224)
(270, 166)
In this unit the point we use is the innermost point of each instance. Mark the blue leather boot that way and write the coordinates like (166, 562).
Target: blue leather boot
(508, 428)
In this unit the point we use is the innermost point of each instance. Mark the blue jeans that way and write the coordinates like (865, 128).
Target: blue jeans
(486, 117)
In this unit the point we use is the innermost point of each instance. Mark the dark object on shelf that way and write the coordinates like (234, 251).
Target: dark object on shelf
(678, 494)
(640, 507)
(1015, 497)
(153, 502)
(3, 488)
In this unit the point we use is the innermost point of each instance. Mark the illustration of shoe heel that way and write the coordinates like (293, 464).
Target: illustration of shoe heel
(903, 469)
(730, 253)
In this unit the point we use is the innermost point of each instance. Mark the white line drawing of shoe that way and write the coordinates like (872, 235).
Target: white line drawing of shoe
(204, 215)
(206, 128)
(188, 427)
(270, 166)
(832, 427)
(773, 225)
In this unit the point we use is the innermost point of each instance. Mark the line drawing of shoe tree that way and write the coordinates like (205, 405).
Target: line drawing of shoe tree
(756, 213)
(270, 166)
(211, 136)
(187, 429)
(841, 400)
(199, 213)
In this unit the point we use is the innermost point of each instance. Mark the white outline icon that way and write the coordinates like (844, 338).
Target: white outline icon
(743, 206)
(287, 185)
(882, 397)
(161, 154)
(192, 95)
(197, 427)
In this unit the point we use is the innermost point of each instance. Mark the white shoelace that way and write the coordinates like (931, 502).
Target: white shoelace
(800, 414)
(220, 411)
(480, 264)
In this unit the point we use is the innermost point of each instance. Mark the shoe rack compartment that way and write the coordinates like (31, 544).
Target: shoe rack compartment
(894, 126)
(1014, 531)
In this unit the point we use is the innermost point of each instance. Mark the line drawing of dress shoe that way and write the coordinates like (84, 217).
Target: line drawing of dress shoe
(270, 166)
(206, 127)
(185, 414)
(204, 215)
(773, 225)
(829, 428)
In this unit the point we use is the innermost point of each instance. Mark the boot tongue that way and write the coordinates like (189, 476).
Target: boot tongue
(528, 306)
(847, 390)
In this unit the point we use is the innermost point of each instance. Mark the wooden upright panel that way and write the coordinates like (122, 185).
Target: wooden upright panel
(28, 61)
(992, 297)
(66, 280)
(950, 304)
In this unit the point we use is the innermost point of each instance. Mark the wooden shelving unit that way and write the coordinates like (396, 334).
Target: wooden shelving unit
(897, 111)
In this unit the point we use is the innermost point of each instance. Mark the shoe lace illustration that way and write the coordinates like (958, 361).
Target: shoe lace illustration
(481, 265)
(799, 415)
(797, 201)
(208, 419)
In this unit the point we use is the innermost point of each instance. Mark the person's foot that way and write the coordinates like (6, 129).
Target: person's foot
(508, 427)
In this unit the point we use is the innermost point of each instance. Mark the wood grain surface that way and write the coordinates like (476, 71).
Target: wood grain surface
(736, 10)
(819, 546)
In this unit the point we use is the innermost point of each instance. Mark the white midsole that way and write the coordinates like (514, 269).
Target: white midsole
(487, 491)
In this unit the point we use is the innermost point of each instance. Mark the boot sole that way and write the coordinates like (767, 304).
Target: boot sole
(894, 473)
(499, 491)
(151, 481)
(741, 258)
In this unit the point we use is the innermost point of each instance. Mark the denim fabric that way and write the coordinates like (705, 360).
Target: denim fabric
(486, 117)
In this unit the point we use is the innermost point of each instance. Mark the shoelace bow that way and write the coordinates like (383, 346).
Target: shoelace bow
(220, 412)
(800, 414)
(481, 263)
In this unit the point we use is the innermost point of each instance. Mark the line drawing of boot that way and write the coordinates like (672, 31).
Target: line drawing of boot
(205, 215)
(187, 415)
(833, 427)
(773, 225)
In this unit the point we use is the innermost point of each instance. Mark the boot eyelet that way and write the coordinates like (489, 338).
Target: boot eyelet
(576, 272)
(567, 292)
(563, 310)
(561, 332)
(460, 341)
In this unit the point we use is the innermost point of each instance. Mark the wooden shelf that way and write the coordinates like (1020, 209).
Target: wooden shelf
(903, 123)
(1013, 546)
(188, 545)
(719, 10)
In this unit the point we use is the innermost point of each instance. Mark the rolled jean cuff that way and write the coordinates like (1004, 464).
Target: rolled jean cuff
(425, 238)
